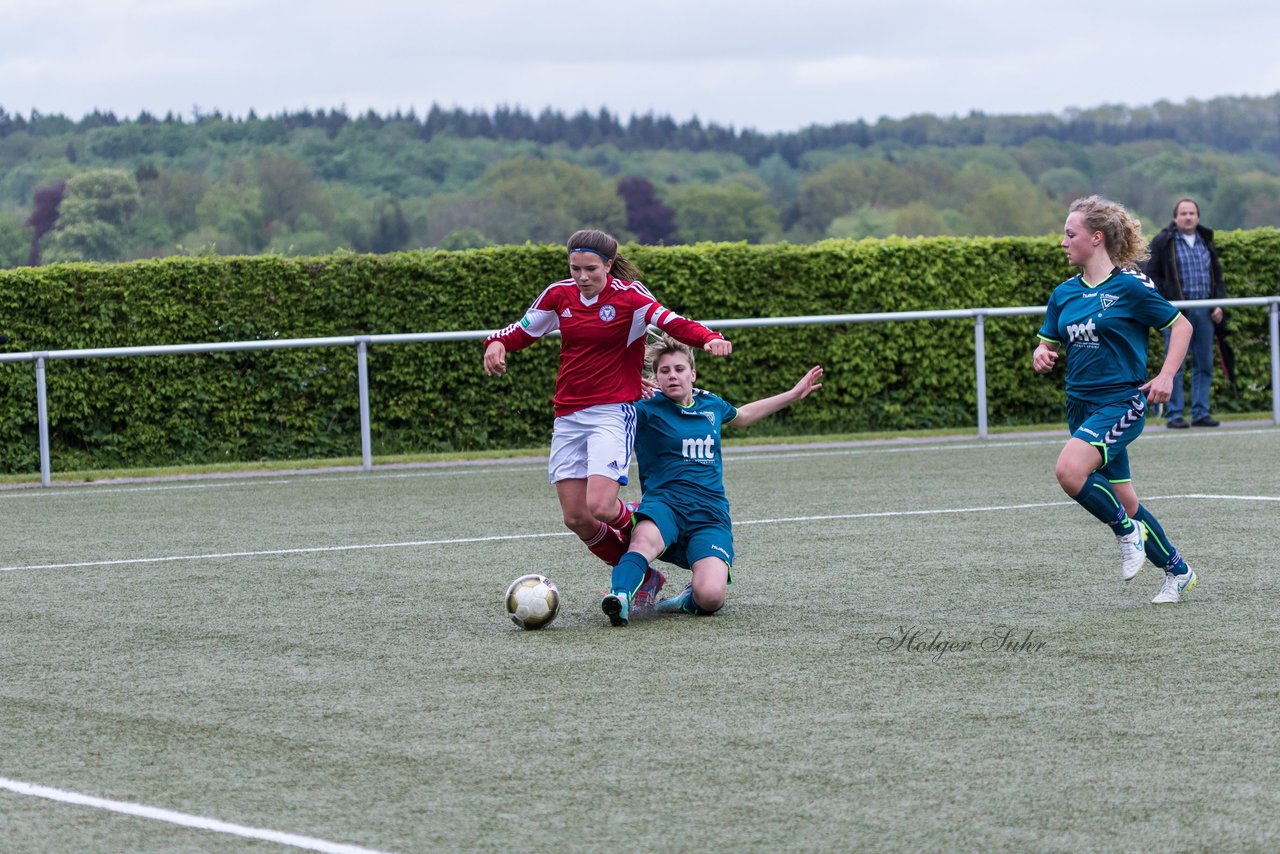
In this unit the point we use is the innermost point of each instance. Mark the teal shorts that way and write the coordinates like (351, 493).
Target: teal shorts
(1109, 427)
(688, 536)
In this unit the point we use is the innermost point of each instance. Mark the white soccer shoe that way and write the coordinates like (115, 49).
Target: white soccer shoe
(1133, 553)
(1174, 587)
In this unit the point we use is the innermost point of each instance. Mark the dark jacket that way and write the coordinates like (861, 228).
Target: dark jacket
(1163, 265)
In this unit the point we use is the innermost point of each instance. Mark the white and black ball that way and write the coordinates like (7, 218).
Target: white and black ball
(533, 601)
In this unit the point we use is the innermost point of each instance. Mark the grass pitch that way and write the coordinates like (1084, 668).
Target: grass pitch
(927, 647)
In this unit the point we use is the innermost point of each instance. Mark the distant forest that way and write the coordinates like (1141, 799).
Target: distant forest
(105, 188)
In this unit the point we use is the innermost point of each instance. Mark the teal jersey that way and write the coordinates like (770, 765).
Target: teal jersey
(678, 452)
(1102, 331)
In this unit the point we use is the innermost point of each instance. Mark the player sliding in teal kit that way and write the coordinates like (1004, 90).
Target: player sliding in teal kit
(1102, 318)
(684, 514)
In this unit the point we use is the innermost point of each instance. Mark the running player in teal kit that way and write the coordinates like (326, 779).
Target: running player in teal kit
(684, 513)
(1102, 318)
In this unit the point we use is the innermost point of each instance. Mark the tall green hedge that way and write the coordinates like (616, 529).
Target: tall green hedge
(284, 404)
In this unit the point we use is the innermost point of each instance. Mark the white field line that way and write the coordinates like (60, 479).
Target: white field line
(874, 447)
(994, 508)
(182, 819)
(198, 482)
(885, 449)
(741, 454)
(301, 551)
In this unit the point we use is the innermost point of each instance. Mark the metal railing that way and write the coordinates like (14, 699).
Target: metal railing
(362, 342)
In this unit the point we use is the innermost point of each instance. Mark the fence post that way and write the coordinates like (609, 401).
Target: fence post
(980, 357)
(362, 369)
(1273, 319)
(42, 418)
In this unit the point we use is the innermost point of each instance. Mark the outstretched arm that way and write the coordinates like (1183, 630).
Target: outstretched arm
(750, 413)
(686, 331)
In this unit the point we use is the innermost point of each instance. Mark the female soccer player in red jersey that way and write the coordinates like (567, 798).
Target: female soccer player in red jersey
(603, 313)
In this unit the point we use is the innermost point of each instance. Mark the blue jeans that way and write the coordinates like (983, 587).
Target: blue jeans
(1201, 354)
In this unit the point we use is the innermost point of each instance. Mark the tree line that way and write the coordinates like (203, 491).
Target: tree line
(1232, 124)
(311, 182)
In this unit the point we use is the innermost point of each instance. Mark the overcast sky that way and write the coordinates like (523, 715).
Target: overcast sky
(773, 66)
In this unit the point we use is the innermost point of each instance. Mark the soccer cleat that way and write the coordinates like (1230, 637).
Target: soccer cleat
(617, 608)
(675, 604)
(1174, 587)
(1132, 552)
(647, 595)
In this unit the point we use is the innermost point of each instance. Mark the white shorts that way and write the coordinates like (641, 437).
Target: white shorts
(593, 441)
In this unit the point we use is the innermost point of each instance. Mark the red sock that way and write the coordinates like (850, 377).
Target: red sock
(607, 545)
(622, 522)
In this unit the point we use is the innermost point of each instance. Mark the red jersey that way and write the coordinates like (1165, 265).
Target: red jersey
(602, 339)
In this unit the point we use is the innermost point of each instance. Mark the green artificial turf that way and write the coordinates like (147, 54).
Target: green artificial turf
(927, 647)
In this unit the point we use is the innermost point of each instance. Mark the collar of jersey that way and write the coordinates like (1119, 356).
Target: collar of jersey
(693, 400)
(1110, 276)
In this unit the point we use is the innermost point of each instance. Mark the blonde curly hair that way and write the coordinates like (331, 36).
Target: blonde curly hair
(1121, 232)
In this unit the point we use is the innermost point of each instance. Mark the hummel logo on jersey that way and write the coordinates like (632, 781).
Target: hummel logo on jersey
(566, 313)
(710, 416)
(1084, 333)
(700, 450)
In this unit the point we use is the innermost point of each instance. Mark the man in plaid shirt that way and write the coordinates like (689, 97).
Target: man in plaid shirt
(1184, 265)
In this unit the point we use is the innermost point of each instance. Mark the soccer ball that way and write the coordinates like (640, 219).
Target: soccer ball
(533, 601)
